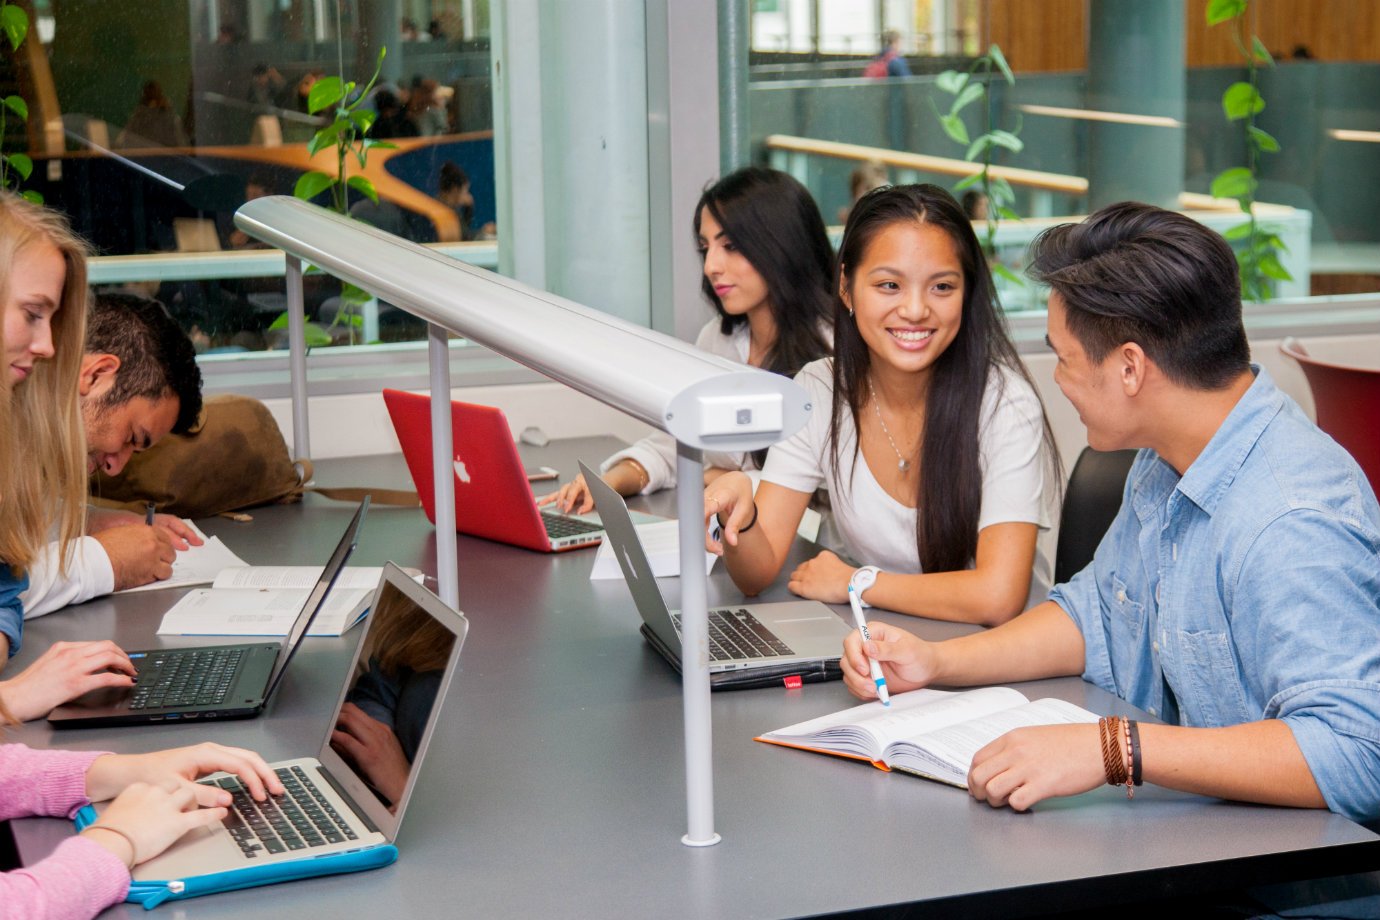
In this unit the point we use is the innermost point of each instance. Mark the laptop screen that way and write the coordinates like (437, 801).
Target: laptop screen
(390, 701)
(348, 541)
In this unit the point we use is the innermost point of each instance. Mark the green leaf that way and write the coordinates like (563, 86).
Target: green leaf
(1008, 140)
(354, 294)
(970, 92)
(1000, 191)
(324, 93)
(994, 52)
(1008, 274)
(1241, 100)
(372, 144)
(31, 196)
(954, 127)
(1260, 52)
(312, 184)
(316, 336)
(364, 187)
(1008, 214)
(977, 147)
(1264, 142)
(1270, 267)
(951, 81)
(1239, 232)
(21, 164)
(1222, 10)
(1236, 182)
(363, 119)
(327, 136)
(968, 182)
(18, 106)
(15, 23)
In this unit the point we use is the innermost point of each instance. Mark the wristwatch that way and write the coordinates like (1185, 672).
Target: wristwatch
(863, 579)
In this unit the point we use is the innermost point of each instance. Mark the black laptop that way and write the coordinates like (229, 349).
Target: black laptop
(208, 682)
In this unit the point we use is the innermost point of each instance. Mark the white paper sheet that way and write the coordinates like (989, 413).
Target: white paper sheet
(661, 542)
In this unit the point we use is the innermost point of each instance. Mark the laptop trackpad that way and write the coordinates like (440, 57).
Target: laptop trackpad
(104, 698)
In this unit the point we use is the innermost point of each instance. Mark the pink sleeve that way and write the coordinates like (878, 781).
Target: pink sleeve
(51, 783)
(79, 880)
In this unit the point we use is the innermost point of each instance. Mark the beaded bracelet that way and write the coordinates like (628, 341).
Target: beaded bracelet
(1129, 763)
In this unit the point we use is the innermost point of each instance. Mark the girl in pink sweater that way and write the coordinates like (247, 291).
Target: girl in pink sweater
(156, 801)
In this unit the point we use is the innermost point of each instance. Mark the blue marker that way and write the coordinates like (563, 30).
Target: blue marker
(860, 582)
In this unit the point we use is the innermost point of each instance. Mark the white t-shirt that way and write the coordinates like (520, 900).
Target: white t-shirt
(877, 529)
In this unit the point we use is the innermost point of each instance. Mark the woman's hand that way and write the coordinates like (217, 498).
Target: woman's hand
(146, 819)
(728, 507)
(372, 745)
(1028, 765)
(109, 775)
(574, 497)
(64, 672)
(823, 578)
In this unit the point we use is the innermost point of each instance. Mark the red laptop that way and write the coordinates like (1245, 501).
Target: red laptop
(493, 499)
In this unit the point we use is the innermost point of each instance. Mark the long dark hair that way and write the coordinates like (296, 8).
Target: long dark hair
(775, 224)
(949, 491)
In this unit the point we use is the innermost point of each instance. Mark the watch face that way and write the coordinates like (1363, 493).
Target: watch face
(863, 578)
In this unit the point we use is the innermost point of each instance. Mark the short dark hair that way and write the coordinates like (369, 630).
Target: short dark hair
(453, 176)
(157, 359)
(1137, 273)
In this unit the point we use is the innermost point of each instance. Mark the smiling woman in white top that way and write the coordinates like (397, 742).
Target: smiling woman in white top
(769, 273)
(926, 431)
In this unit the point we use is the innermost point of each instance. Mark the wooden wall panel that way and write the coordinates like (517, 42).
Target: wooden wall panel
(1037, 35)
(1049, 35)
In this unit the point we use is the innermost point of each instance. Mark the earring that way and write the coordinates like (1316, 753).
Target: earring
(850, 312)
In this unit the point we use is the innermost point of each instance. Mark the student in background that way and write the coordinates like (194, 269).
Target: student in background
(768, 271)
(156, 802)
(926, 430)
(1236, 596)
(139, 381)
(866, 176)
(890, 63)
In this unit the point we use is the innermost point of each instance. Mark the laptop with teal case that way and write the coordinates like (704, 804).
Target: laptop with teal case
(336, 816)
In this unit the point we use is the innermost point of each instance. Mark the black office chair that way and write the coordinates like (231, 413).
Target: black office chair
(1091, 501)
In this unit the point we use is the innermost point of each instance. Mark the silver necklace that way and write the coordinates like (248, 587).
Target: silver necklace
(902, 463)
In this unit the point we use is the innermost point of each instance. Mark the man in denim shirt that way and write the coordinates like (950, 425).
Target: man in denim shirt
(1237, 593)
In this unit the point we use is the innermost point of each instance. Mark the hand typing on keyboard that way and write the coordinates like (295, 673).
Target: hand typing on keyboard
(156, 800)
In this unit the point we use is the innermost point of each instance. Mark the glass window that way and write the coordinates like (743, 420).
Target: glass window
(1110, 101)
(150, 123)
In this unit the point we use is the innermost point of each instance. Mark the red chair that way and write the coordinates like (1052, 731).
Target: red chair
(1348, 404)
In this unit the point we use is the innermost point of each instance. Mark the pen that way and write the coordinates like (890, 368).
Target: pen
(878, 679)
(148, 513)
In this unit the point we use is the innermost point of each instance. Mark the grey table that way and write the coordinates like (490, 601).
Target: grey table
(555, 787)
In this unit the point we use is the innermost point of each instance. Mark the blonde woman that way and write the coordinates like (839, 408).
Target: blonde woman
(42, 451)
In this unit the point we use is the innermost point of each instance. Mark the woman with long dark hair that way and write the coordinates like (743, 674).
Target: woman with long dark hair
(768, 272)
(926, 430)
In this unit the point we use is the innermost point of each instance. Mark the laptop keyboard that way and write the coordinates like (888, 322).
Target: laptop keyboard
(557, 526)
(199, 677)
(736, 633)
(300, 819)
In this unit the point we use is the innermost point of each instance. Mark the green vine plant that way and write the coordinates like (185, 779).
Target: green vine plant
(348, 133)
(15, 168)
(974, 86)
(1257, 248)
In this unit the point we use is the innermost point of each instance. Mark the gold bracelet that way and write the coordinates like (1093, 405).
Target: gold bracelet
(133, 851)
(641, 471)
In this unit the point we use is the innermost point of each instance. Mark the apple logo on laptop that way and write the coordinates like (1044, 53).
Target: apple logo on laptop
(460, 472)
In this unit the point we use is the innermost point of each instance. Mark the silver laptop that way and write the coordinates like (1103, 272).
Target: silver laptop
(400, 676)
(788, 638)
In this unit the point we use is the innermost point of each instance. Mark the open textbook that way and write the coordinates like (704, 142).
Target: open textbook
(930, 733)
(263, 600)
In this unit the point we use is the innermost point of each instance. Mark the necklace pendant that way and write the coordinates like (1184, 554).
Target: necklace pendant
(903, 465)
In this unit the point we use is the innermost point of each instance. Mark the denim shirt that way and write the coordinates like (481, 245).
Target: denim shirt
(11, 609)
(1251, 586)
